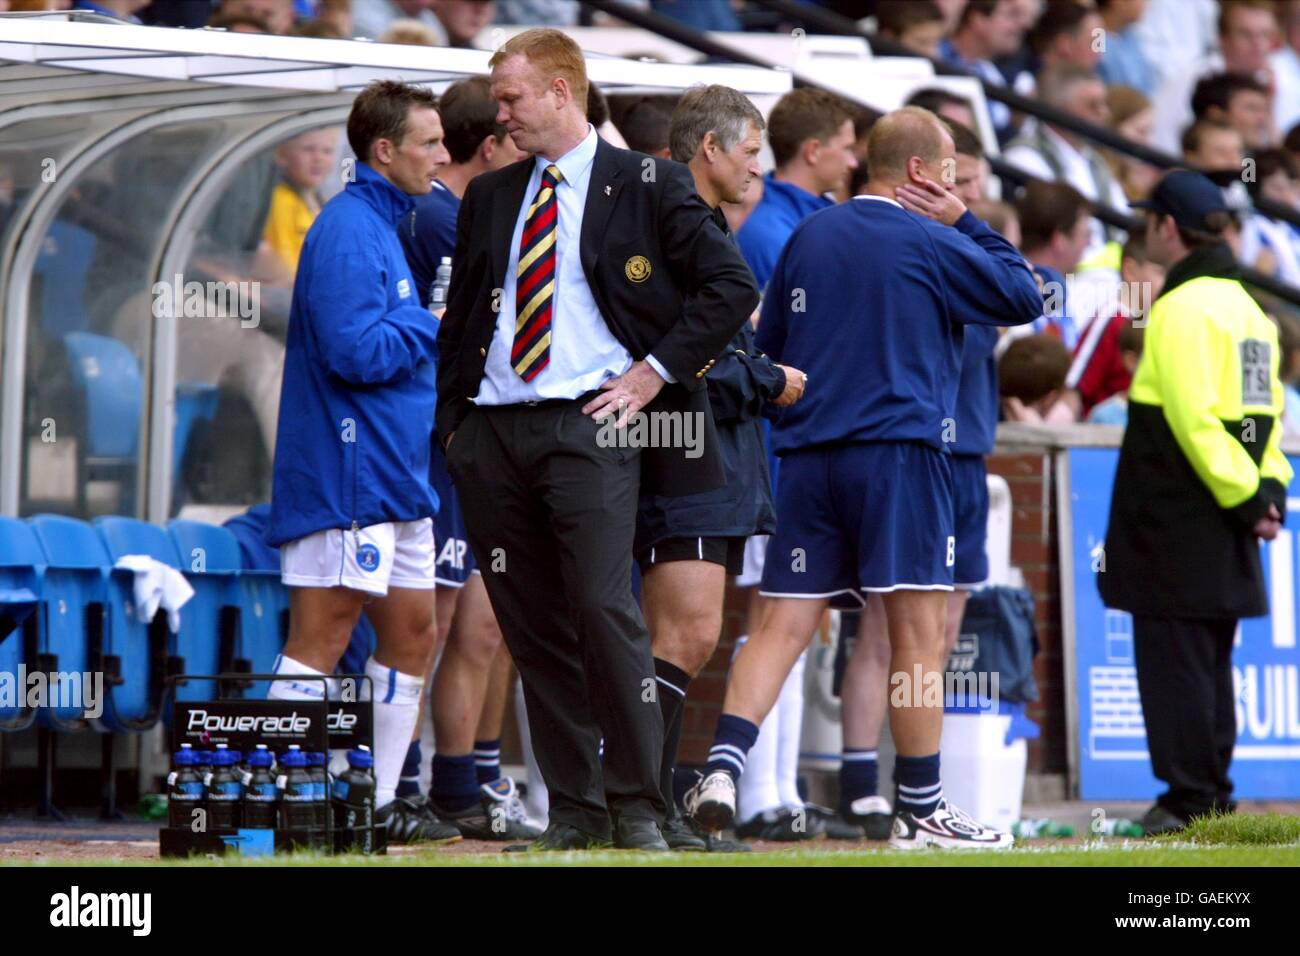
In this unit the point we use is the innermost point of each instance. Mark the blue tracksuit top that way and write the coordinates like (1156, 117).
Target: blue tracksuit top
(356, 402)
(976, 418)
(871, 302)
(762, 236)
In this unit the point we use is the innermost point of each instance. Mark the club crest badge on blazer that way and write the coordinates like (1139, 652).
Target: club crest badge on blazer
(637, 269)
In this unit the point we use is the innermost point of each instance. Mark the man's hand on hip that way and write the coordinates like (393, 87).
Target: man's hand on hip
(627, 394)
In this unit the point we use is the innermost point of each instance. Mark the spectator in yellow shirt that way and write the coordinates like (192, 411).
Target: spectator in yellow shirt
(305, 161)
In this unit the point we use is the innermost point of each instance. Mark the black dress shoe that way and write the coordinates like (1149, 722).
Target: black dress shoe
(1159, 820)
(559, 836)
(638, 833)
(681, 836)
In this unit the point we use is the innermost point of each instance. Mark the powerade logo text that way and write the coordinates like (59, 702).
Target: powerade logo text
(368, 557)
(340, 721)
(247, 724)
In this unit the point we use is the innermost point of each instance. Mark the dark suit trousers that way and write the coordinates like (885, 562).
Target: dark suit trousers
(550, 515)
(1184, 671)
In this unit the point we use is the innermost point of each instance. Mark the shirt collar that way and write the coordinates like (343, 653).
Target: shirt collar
(576, 161)
(892, 202)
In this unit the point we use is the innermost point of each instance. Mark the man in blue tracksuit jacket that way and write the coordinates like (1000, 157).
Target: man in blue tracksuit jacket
(871, 298)
(351, 505)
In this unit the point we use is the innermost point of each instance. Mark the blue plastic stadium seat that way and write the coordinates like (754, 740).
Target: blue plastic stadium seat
(73, 593)
(263, 611)
(263, 599)
(195, 402)
(22, 566)
(208, 640)
(142, 646)
(109, 374)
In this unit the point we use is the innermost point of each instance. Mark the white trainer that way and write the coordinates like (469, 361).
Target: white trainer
(949, 828)
(712, 801)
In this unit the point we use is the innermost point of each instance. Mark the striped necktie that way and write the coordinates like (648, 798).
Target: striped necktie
(535, 289)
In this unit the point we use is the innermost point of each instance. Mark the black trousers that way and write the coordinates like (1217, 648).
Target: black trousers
(550, 515)
(1184, 671)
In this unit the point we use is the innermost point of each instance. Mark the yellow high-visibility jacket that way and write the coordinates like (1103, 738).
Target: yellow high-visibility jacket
(1201, 459)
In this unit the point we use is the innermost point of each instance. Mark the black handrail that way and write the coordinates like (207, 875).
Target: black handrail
(834, 23)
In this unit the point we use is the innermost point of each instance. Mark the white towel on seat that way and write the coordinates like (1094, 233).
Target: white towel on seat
(157, 585)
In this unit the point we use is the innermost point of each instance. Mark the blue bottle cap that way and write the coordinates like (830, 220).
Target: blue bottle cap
(184, 758)
(261, 757)
(293, 757)
(361, 758)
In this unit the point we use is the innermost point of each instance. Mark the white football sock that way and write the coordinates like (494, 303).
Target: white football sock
(756, 790)
(397, 708)
(295, 689)
(789, 734)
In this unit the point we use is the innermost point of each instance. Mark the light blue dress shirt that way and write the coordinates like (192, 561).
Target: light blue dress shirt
(584, 352)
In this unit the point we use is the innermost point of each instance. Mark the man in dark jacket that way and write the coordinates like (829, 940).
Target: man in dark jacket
(687, 545)
(588, 283)
(1201, 481)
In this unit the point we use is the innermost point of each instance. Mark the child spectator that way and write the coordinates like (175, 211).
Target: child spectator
(1031, 380)
(305, 162)
(1215, 147)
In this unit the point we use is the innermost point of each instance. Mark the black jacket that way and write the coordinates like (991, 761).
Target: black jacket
(697, 293)
(740, 384)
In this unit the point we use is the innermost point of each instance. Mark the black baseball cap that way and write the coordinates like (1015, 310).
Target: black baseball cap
(1187, 196)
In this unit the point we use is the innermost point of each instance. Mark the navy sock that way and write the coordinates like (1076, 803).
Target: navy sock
(672, 682)
(487, 760)
(919, 790)
(408, 785)
(731, 742)
(859, 775)
(454, 785)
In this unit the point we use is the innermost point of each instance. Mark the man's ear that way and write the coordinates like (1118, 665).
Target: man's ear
(811, 151)
(381, 152)
(487, 149)
(916, 170)
(709, 147)
(560, 87)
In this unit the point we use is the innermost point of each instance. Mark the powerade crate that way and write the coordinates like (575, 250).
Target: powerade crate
(288, 729)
